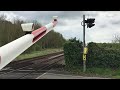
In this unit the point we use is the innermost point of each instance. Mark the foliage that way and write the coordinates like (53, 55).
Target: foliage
(101, 55)
(10, 31)
(72, 50)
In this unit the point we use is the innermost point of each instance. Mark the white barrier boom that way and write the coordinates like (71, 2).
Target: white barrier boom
(13, 49)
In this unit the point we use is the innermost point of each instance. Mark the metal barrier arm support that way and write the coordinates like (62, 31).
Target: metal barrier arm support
(13, 49)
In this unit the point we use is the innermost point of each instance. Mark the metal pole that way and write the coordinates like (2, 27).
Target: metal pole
(84, 61)
(83, 31)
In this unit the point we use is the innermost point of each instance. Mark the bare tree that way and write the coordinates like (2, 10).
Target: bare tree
(116, 39)
(3, 17)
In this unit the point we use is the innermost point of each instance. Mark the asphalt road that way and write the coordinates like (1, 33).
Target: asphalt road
(53, 74)
(30, 69)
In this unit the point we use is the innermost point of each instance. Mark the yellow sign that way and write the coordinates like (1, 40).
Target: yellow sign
(85, 50)
(84, 57)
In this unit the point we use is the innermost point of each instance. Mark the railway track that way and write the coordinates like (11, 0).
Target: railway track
(30, 68)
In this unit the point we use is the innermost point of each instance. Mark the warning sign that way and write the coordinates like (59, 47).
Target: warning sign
(84, 57)
(85, 50)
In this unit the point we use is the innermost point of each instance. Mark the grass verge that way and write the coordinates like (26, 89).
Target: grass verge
(38, 53)
(96, 72)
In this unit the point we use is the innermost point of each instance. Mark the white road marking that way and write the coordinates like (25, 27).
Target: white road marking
(41, 75)
(64, 75)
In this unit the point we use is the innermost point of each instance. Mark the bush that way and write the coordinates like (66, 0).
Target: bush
(99, 56)
(105, 55)
(72, 52)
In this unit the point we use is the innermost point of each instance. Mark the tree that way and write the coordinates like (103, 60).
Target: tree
(10, 31)
(116, 39)
(36, 24)
(3, 17)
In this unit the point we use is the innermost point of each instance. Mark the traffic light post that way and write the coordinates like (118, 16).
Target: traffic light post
(90, 23)
(84, 61)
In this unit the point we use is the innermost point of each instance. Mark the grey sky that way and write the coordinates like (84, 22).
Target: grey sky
(107, 23)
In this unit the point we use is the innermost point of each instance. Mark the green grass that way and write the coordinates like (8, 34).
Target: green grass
(96, 72)
(38, 53)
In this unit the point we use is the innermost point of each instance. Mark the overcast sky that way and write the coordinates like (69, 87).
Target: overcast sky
(107, 23)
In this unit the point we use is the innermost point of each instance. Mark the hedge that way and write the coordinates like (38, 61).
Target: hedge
(72, 53)
(98, 55)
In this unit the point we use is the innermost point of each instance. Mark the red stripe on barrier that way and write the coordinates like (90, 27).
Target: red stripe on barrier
(39, 36)
(38, 31)
(41, 31)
